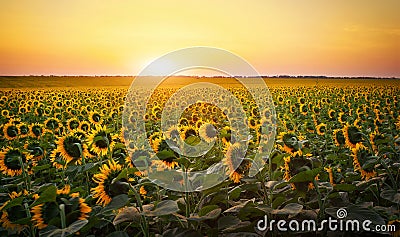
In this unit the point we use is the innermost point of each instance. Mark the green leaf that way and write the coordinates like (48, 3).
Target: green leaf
(184, 161)
(118, 234)
(48, 195)
(278, 201)
(12, 203)
(344, 187)
(290, 209)
(163, 208)
(89, 167)
(391, 195)
(304, 176)
(165, 154)
(180, 232)
(71, 229)
(41, 167)
(206, 209)
(227, 221)
(128, 214)
(192, 140)
(235, 193)
(116, 202)
(206, 213)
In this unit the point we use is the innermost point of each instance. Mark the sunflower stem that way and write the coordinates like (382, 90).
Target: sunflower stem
(28, 214)
(62, 216)
(24, 174)
(143, 223)
(270, 178)
(320, 203)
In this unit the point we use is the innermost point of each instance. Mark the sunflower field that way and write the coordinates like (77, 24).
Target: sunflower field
(66, 166)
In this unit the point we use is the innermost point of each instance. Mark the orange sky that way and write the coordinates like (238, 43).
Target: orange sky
(91, 37)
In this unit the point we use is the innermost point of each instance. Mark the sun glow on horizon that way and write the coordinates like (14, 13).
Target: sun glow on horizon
(338, 38)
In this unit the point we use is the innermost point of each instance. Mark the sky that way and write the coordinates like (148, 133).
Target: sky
(92, 37)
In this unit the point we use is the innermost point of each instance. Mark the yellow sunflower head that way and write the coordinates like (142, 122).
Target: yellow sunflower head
(75, 208)
(107, 187)
(72, 148)
(84, 125)
(321, 129)
(101, 141)
(208, 132)
(10, 131)
(363, 161)
(234, 156)
(12, 159)
(52, 124)
(338, 137)
(95, 118)
(36, 130)
(9, 216)
(352, 135)
(72, 123)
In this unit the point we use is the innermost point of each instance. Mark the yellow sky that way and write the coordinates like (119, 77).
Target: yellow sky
(91, 37)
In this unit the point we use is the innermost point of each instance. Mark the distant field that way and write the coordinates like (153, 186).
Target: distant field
(116, 81)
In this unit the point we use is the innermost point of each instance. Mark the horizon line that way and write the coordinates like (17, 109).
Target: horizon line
(217, 76)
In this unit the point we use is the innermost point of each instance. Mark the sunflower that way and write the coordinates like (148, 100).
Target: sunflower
(360, 155)
(13, 214)
(57, 160)
(75, 209)
(142, 191)
(10, 161)
(5, 113)
(226, 134)
(84, 125)
(95, 118)
(233, 158)
(72, 148)
(286, 168)
(208, 132)
(23, 130)
(107, 188)
(52, 124)
(72, 123)
(321, 129)
(289, 126)
(183, 122)
(352, 135)
(290, 143)
(303, 109)
(252, 122)
(342, 117)
(373, 138)
(172, 133)
(235, 177)
(10, 131)
(292, 109)
(136, 154)
(35, 149)
(101, 141)
(36, 130)
(170, 163)
(188, 131)
(339, 137)
(398, 123)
